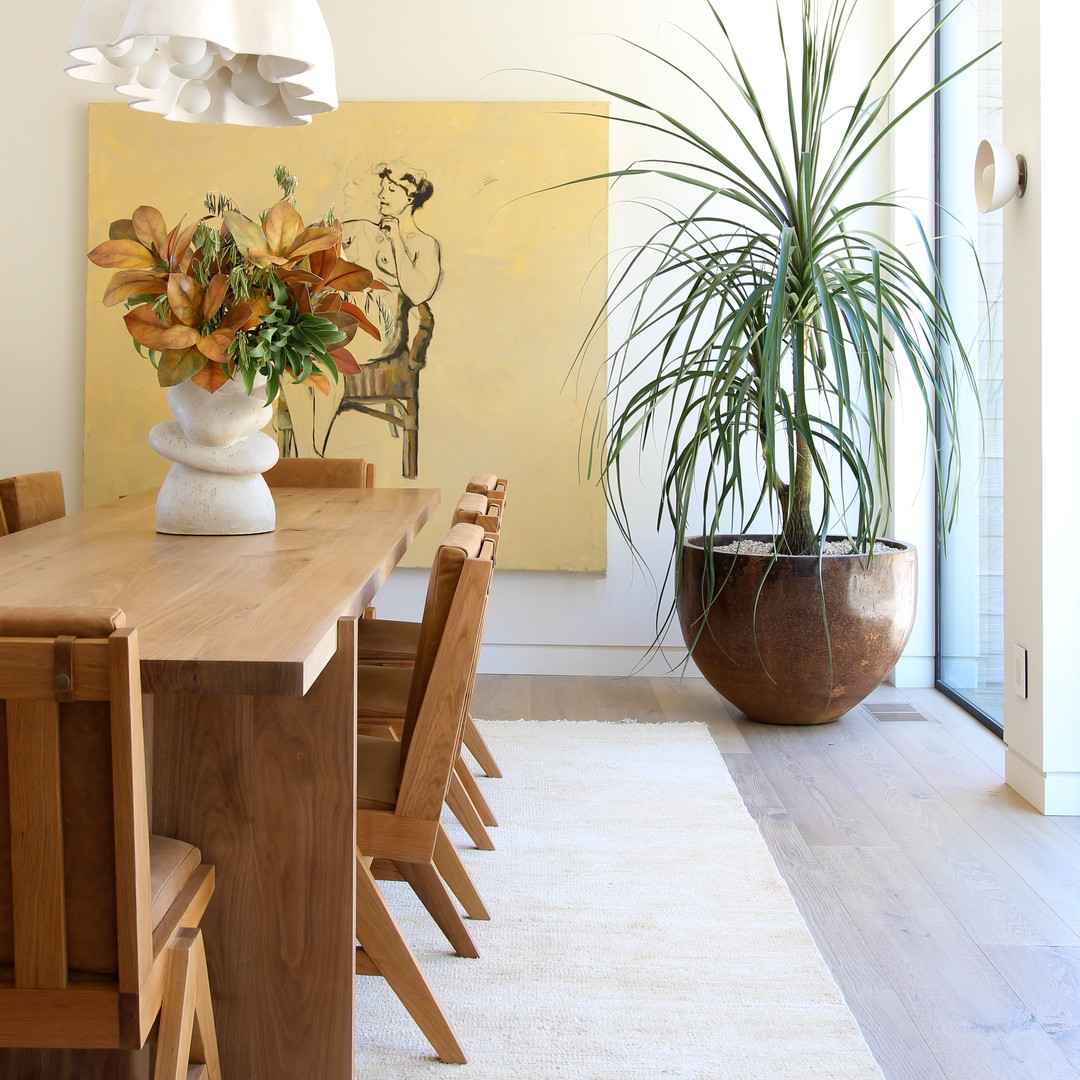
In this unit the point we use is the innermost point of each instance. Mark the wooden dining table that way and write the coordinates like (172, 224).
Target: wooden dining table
(248, 662)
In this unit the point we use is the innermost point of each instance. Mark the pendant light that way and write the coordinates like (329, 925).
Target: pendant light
(257, 62)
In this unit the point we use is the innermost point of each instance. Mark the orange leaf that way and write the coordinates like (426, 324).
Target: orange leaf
(185, 298)
(122, 255)
(215, 294)
(345, 361)
(144, 326)
(317, 238)
(213, 345)
(365, 323)
(282, 226)
(127, 283)
(319, 381)
(178, 365)
(259, 308)
(212, 377)
(322, 263)
(296, 274)
(348, 277)
(149, 228)
(240, 315)
(298, 291)
(178, 247)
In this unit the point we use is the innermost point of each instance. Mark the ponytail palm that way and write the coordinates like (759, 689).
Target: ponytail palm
(764, 326)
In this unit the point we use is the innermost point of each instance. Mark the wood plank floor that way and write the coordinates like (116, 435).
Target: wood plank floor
(947, 908)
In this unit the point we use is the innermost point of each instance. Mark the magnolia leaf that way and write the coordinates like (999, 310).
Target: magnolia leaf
(178, 247)
(322, 263)
(296, 274)
(319, 381)
(185, 299)
(122, 230)
(329, 302)
(122, 255)
(300, 296)
(212, 377)
(316, 238)
(348, 277)
(145, 327)
(346, 363)
(345, 321)
(214, 295)
(259, 308)
(365, 323)
(178, 365)
(149, 226)
(213, 346)
(127, 283)
(249, 238)
(282, 226)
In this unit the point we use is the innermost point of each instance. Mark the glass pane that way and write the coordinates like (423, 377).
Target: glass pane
(970, 594)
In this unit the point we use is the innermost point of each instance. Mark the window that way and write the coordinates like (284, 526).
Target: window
(970, 624)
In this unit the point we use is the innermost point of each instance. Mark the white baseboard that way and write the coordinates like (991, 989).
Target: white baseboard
(620, 661)
(1049, 793)
(914, 672)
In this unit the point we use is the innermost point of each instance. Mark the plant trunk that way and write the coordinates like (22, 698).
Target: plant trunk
(799, 536)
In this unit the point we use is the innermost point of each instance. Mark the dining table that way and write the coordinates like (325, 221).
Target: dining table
(248, 664)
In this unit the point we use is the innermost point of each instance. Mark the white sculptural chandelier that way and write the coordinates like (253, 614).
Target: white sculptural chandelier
(257, 62)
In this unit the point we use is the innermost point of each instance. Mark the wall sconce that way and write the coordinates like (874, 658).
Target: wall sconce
(998, 176)
(257, 62)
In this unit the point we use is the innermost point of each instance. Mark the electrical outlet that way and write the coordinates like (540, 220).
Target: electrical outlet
(1020, 673)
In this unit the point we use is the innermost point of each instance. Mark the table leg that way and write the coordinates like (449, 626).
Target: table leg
(266, 787)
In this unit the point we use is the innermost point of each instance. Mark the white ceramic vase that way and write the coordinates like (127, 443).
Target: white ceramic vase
(215, 486)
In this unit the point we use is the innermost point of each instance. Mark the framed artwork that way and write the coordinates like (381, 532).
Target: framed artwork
(493, 268)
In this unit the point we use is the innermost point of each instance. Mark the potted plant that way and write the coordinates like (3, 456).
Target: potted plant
(764, 327)
(224, 306)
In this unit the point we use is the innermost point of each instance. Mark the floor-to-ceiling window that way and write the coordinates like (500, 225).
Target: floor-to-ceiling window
(970, 596)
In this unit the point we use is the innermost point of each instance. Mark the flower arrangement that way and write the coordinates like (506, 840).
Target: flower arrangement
(228, 294)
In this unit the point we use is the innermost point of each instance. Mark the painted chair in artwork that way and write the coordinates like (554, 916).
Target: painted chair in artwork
(402, 784)
(31, 499)
(99, 920)
(388, 389)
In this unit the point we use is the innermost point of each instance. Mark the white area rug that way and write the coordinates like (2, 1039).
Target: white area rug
(640, 929)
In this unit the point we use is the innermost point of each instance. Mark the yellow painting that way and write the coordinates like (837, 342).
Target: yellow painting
(491, 273)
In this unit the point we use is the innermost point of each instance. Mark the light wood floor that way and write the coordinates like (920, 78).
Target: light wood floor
(947, 908)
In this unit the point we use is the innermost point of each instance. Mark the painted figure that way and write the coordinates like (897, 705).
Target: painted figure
(407, 261)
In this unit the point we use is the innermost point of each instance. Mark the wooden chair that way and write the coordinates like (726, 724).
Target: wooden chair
(99, 920)
(401, 784)
(389, 642)
(32, 499)
(321, 472)
(387, 653)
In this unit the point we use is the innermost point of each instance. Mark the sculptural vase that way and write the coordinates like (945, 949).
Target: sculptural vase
(215, 486)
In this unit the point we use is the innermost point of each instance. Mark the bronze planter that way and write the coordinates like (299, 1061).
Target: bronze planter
(763, 644)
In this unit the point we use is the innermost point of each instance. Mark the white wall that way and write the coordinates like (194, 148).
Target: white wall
(540, 622)
(1042, 494)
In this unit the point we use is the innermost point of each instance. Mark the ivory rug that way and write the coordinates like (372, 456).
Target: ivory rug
(640, 929)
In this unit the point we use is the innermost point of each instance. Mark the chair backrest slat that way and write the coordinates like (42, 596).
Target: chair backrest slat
(74, 833)
(37, 845)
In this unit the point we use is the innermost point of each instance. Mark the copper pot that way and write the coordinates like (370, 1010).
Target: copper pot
(794, 639)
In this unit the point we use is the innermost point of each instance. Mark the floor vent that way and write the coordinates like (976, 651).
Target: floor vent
(899, 711)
